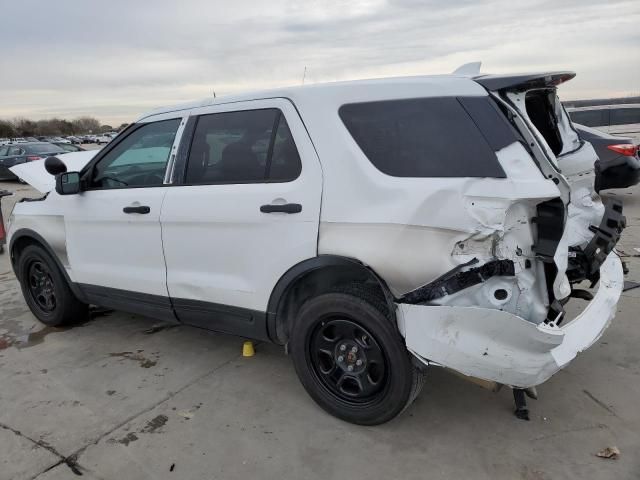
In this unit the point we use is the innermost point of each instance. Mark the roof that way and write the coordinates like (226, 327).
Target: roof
(389, 84)
(301, 91)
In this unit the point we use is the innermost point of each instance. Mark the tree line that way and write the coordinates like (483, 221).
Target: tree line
(24, 127)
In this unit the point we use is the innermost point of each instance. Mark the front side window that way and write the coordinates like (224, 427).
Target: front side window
(421, 137)
(250, 146)
(139, 160)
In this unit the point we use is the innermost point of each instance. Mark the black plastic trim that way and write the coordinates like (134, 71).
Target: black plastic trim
(586, 263)
(550, 223)
(305, 267)
(454, 281)
(180, 162)
(154, 306)
(228, 319)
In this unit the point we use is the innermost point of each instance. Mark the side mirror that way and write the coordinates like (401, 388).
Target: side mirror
(54, 166)
(68, 183)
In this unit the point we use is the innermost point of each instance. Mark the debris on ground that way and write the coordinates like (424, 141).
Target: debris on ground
(158, 327)
(611, 453)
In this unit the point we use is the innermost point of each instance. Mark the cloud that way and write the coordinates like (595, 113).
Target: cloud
(120, 58)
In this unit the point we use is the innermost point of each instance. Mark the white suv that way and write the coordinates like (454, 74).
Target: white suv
(375, 228)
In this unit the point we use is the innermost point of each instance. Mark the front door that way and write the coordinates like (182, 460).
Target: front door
(113, 226)
(247, 210)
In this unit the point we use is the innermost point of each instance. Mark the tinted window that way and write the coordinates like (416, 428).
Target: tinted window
(424, 137)
(625, 116)
(3, 151)
(590, 118)
(43, 148)
(285, 162)
(139, 160)
(15, 151)
(241, 147)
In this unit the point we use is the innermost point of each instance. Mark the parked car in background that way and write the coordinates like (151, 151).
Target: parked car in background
(15, 154)
(618, 165)
(620, 119)
(74, 139)
(69, 147)
(103, 139)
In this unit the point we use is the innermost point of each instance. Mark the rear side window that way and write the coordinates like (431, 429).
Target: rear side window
(15, 151)
(250, 146)
(422, 137)
(43, 148)
(625, 116)
(590, 118)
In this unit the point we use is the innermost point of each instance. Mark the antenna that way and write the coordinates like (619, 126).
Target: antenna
(304, 75)
(214, 93)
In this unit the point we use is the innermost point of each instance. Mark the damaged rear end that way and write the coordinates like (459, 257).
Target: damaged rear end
(541, 239)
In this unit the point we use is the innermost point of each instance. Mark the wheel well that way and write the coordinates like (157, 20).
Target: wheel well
(317, 281)
(22, 240)
(17, 246)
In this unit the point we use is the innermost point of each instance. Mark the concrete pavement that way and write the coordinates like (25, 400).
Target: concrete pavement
(115, 398)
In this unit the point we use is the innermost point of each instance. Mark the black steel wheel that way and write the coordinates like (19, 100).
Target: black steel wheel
(46, 290)
(351, 359)
(347, 360)
(40, 286)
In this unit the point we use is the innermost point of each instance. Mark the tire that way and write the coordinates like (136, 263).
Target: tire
(374, 391)
(46, 290)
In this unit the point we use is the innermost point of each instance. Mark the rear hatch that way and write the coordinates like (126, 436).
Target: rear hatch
(577, 231)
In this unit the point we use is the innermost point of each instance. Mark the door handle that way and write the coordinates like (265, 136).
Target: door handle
(143, 209)
(286, 208)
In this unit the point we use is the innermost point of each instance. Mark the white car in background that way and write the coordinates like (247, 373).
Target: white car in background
(376, 228)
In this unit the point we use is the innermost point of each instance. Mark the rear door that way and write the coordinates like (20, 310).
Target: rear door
(245, 209)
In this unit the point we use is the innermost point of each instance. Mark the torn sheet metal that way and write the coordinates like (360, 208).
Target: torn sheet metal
(500, 346)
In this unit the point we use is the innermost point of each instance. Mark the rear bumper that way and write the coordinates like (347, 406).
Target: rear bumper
(502, 347)
(620, 172)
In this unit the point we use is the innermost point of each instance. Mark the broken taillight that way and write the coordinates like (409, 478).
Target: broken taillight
(627, 149)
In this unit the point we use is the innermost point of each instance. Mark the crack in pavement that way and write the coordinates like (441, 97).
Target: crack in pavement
(599, 402)
(70, 461)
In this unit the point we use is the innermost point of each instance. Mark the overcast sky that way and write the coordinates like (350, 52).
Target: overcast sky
(117, 59)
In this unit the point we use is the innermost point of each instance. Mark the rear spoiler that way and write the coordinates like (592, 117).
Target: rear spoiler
(524, 81)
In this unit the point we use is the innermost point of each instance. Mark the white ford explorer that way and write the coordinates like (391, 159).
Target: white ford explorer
(375, 228)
